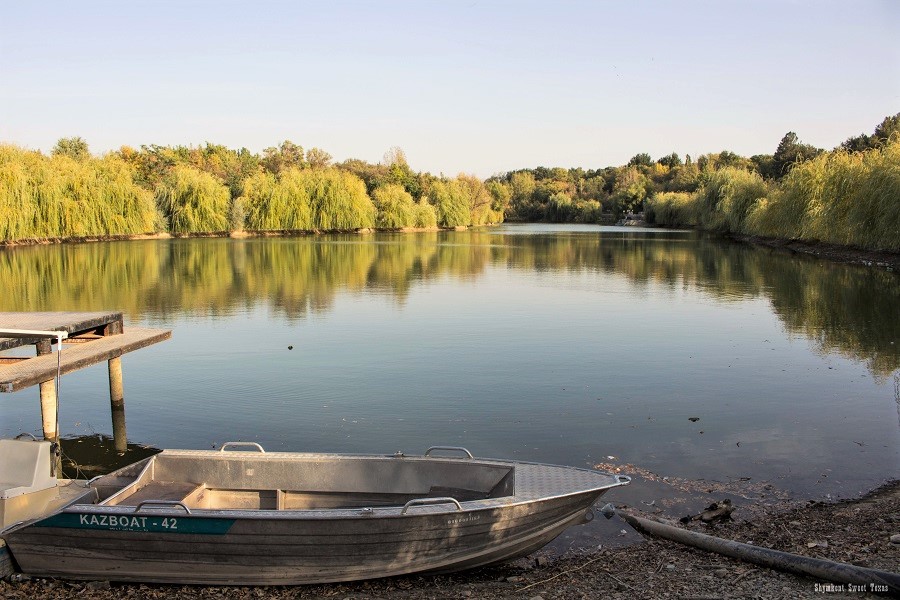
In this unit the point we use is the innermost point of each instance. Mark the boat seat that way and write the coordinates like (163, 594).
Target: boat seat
(24, 467)
(166, 491)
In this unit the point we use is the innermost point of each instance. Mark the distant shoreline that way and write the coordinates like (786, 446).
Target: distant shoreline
(164, 235)
(881, 259)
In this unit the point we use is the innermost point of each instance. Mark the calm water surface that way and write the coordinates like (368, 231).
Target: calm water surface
(561, 344)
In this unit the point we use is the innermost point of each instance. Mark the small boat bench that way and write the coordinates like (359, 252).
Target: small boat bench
(159, 491)
(25, 468)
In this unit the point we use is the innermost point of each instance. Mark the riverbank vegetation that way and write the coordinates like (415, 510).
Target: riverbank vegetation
(848, 196)
(213, 189)
(840, 197)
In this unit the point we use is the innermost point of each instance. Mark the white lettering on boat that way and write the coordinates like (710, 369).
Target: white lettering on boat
(468, 519)
(115, 521)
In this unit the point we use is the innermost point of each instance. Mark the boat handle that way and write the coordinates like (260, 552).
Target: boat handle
(253, 444)
(450, 448)
(623, 479)
(24, 433)
(163, 503)
(424, 501)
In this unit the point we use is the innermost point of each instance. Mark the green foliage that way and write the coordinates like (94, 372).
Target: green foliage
(372, 175)
(522, 206)
(858, 143)
(764, 164)
(286, 156)
(631, 188)
(727, 197)
(480, 201)
(501, 194)
(277, 203)
(302, 200)
(887, 130)
(154, 164)
(791, 151)
(450, 203)
(640, 160)
(44, 197)
(394, 206)
(839, 197)
(399, 172)
(338, 200)
(74, 147)
(559, 208)
(671, 160)
(193, 201)
(725, 158)
(286, 188)
(424, 215)
(20, 173)
(672, 209)
(230, 167)
(685, 178)
(318, 158)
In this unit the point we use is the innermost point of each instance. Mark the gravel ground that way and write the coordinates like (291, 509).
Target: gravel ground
(857, 531)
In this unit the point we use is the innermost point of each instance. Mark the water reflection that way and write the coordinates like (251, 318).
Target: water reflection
(87, 456)
(843, 309)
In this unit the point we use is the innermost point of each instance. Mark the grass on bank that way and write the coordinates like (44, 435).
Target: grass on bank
(844, 198)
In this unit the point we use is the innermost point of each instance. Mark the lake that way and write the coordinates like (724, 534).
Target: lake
(552, 343)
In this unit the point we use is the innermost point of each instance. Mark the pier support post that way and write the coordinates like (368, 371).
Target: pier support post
(48, 397)
(117, 404)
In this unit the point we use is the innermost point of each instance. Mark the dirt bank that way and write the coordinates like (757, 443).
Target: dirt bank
(832, 252)
(857, 531)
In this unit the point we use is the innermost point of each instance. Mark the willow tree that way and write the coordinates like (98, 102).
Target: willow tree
(424, 216)
(394, 207)
(193, 201)
(451, 203)
(272, 203)
(43, 197)
(338, 200)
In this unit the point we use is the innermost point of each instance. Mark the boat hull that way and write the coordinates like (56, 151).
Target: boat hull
(246, 518)
(280, 551)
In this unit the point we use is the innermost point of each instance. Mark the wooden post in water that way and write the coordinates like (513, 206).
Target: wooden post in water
(117, 392)
(117, 404)
(49, 407)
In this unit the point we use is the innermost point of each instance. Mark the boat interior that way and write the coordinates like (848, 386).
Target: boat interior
(281, 481)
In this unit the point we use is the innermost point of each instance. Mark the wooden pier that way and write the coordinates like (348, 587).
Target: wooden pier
(93, 337)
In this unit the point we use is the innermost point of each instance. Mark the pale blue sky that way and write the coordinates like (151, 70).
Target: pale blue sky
(478, 86)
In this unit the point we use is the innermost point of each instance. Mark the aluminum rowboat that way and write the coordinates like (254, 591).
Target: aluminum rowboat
(275, 518)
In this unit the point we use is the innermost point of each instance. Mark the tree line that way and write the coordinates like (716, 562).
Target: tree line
(849, 195)
(212, 188)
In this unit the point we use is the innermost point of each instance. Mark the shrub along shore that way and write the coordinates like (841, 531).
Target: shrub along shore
(849, 196)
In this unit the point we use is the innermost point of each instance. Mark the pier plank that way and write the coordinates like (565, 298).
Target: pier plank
(71, 322)
(25, 373)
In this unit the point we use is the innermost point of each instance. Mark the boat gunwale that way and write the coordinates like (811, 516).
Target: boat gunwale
(518, 498)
